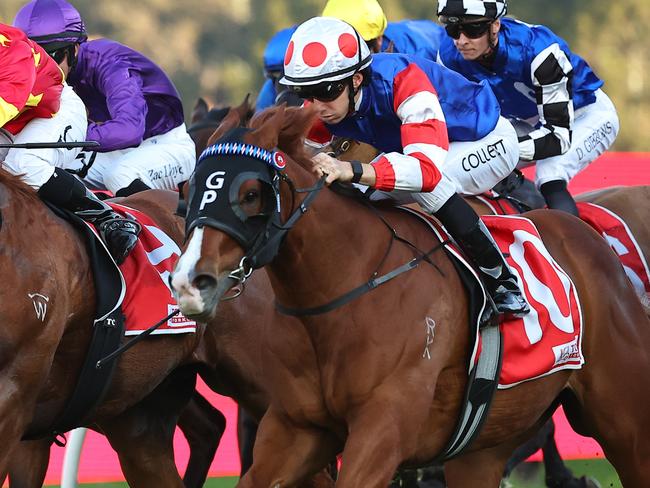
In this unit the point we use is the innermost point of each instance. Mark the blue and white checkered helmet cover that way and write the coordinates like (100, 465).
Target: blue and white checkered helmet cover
(491, 9)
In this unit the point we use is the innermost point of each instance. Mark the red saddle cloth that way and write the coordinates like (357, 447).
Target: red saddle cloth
(620, 239)
(547, 339)
(146, 272)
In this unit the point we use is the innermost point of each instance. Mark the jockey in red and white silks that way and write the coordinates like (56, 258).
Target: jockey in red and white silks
(441, 134)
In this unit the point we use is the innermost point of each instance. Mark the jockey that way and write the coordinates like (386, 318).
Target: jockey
(411, 108)
(537, 79)
(273, 64)
(134, 110)
(416, 37)
(37, 106)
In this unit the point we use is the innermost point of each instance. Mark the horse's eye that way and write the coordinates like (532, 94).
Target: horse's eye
(251, 196)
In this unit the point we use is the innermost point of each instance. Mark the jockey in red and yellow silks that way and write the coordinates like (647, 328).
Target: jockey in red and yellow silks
(30, 81)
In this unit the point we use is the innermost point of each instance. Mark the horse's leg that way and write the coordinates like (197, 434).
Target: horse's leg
(478, 469)
(28, 464)
(286, 455)
(378, 434)
(621, 427)
(528, 448)
(143, 435)
(203, 426)
(246, 432)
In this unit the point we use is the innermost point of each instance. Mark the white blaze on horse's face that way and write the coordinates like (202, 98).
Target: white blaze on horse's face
(187, 295)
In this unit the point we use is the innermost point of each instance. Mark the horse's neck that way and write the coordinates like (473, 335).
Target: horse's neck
(333, 248)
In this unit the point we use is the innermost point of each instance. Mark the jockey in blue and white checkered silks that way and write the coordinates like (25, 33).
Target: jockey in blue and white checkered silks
(564, 119)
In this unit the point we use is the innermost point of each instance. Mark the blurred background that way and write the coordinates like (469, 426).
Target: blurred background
(213, 48)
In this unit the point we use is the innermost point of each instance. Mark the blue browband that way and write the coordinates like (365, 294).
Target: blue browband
(275, 159)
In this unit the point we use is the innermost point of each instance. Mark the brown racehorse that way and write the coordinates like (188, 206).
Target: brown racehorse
(229, 358)
(383, 404)
(41, 356)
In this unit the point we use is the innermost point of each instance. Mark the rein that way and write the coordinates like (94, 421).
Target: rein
(374, 281)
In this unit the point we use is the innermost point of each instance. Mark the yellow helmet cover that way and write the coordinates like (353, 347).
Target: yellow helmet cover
(366, 16)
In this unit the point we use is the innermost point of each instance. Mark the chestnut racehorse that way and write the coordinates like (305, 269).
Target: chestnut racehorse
(42, 353)
(383, 405)
(140, 422)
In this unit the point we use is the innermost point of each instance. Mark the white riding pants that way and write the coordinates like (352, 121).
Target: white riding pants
(470, 168)
(161, 162)
(37, 165)
(594, 130)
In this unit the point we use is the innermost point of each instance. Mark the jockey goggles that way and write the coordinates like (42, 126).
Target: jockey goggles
(58, 54)
(473, 30)
(323, 92)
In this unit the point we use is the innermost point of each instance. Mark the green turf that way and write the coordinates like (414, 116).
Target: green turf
(529, 475)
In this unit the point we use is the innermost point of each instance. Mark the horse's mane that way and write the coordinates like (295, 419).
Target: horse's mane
(286, 128)
(15, 185)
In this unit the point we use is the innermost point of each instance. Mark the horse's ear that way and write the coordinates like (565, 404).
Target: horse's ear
(230, 121)
(245, 109)
(200, 110)
(266, 128)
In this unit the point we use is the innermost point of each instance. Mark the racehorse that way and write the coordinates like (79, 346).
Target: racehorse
(383, 405)
(43, 347)
(140, 426)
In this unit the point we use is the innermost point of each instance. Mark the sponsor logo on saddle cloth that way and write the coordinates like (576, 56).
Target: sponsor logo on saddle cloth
(618, 236)
(146, 272)
(549, 338)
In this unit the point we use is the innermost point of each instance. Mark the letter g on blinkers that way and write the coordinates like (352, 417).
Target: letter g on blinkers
(214, 197)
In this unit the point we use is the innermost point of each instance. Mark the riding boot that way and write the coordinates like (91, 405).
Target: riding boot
(476, 242)
(118, 233)
(136, 186)
(558, 197)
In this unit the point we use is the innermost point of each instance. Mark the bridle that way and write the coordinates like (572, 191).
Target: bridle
(262, 246)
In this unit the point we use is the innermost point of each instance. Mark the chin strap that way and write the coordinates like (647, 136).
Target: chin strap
(488, 57)
(351, 94)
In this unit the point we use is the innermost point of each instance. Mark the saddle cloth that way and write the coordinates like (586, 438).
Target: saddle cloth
(620, 239)
(148, 298)
(548, 339)
(611, 226)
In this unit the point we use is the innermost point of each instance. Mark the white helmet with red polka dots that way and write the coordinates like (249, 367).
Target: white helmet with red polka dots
(324, 49)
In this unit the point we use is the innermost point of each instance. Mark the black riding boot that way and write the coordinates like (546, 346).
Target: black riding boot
(119, 234)
(136, 186)
(558, 197)
(476, 242)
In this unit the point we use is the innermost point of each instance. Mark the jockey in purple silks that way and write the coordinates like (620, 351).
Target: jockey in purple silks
(134, 110)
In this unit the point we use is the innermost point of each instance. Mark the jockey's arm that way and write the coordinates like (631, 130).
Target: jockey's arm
(127, 106)
(551, 76)
(424, 136)
(17, 77)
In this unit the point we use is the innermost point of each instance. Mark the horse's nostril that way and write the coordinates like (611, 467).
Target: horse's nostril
(203, 282)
